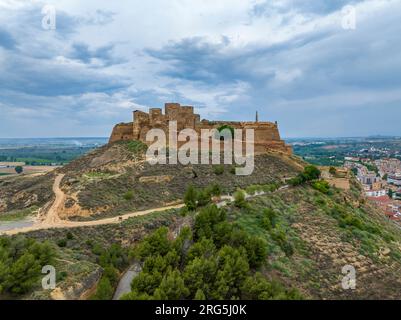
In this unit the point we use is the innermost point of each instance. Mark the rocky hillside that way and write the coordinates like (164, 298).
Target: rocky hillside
(310, 232)
(116, 179)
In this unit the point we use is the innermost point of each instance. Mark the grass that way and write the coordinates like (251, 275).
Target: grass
(134, 146)
(4, 174)
(18, 214)
(97, 175)
(40, 161)
(252, 189)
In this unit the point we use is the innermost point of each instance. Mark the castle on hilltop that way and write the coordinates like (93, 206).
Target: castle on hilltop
(267, 136)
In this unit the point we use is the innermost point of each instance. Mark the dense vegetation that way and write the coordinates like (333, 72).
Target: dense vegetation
(113, 260)
(217, 259)
(310, 173)
(21, 262)
(331, 152)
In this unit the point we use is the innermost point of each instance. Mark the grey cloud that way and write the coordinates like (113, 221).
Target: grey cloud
(7, 41)
(82, 52)
(269, 7)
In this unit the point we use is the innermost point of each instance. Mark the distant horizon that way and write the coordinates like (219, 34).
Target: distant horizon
(284, 138)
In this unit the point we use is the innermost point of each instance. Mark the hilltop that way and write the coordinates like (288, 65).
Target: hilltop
(115, 178)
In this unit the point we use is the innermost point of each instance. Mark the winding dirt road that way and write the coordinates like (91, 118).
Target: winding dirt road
(52, 216)
(52, 219)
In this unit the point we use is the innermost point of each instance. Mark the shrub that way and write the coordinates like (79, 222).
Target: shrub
(104, 290)
(19, 169)
(203, 198)
(322, 186)
(256, 249)
(332, 171)
(269, 219)
(320, 202)
(190, 198)
(310, 173)
(129, 195)
(215, 190)
(62, 243)
(252, 189)
(184, 211)
(218, 169)
(279, 236)
(239, 199)
(61, 275)
(298, 180)
(21, 261)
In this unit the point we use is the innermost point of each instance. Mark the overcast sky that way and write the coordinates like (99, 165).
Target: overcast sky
(291, 60)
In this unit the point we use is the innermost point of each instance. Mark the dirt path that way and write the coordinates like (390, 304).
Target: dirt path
(52, 216)
(52, 219)
(75, 224)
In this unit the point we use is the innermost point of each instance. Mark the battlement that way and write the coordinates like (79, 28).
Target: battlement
(267, 136)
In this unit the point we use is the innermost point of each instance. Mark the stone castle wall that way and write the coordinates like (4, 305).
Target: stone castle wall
(267, 136)
(122, 131)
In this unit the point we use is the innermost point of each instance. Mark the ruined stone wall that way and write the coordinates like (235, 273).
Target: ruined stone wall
(267, 136)
(122, 131)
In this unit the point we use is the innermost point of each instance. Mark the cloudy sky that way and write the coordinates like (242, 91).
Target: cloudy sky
(292, 60)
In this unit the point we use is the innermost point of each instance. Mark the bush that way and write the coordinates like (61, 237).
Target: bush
(256, 249)
(61, 275)
(298, 180)
(322, 186)
(218, 169)
(194, 198)
(62, 243)
(184, 211)
(203, 198)
(207, 220)
(129, 195)
(104, 290)
(215, 190)
(239, 199)
(279, 236)
(19, 169)
(269, 219)
(310, 173)
(332, 171)
(190, 198)
(21, 262)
